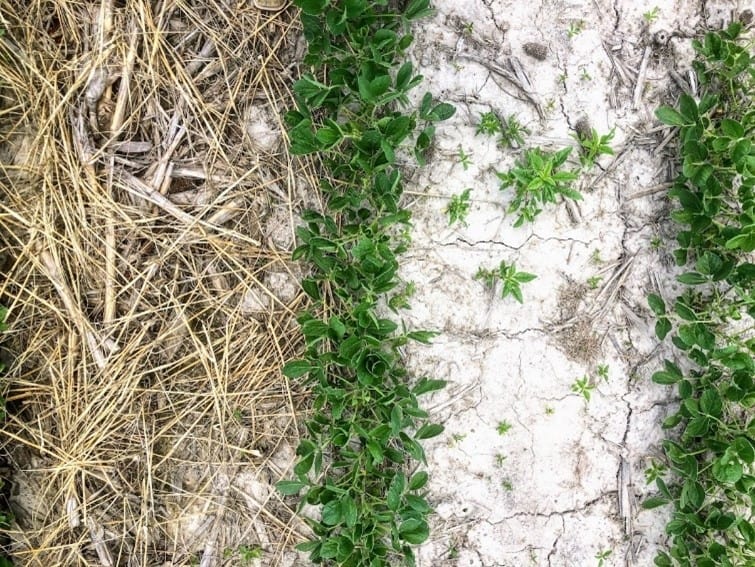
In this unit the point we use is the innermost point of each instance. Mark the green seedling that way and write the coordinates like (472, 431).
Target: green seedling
(507, 485)
(401, 299)
(503, 427)
(575, 28)
(603, 372)
(594, 146)
(245, 553)
(512, 133)
(584, 74)
(367, 429)
(509, 277)
(500, 458)
(583, 387)
(595, 258)
(594, 281)
(549, 410)
(458, 208)
(489, 124)
(710, 444)
(458, 437)
(655, 471)
(538, 178)
(464, 159)
(601, 556)
(656, 243)
(652, 15)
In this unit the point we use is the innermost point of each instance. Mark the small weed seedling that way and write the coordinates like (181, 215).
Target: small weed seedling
(575, 28)
(594, 146)
(584, 74)
(655, 471)
(401, 299)
(583, 387)
(503, 427)
(594, 281)
(458, 208)
(464, 159)
(549, 410)
(512, 133)
(489, 124)
(509, 277)
(500, 458)
(457, 438)
(652, 15)
(601, 556)
(245, 553)
(595, 258)
(603, 372)
(656, 243)
(507, 485)
(538, 179)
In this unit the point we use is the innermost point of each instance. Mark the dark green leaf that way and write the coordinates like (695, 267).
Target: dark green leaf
(692, 278)
(296, 368)
(657, 304)
(426, 385)
(312, 7)
(331, 513)
(414, 531)
(429, 430)
(654, 502)
(418, 480)
(669, 116)
(289, 487)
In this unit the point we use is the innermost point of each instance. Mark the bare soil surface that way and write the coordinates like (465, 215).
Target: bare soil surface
(147, 216)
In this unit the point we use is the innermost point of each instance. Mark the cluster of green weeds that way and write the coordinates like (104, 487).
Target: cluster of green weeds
(358, 461)
(712, 321)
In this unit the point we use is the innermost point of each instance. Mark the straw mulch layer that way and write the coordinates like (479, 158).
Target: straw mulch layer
(146, 225)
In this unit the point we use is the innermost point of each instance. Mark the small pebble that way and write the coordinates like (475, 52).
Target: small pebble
(536, 50)
(745, 16)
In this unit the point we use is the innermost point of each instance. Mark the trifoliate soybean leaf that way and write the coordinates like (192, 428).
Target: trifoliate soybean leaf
(692, 495)
(296, 368)
(657, 304)
(418, 9)
(744, 449)
(711, 403)
(429, 430)
(692, 278)
(312, 7)
(418, 504)
(289, 487)
(654, 502)
(395, 491)
(414, 531)
(442, 111)
(662, 328)
(688, 108)
(426, 385)
(744, 241)
(331, 513)
(418, 480)
(732, 128)
(663, 377)
(669, 116)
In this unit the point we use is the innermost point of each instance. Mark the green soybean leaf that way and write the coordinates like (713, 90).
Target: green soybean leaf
(395, 491)
(331, 513)
(669, 116)
(744, 449)
(296, 368)
(654, 502)
(418, 480)
(657, 304)
(692, 495)
(732, 128)
(312, 7)
(429, 430)
(664, 377)
(414, 531)
(692, 278)
(289, 487)
(711, 403)
(418, 9)
(688, 108)
(662, 328)
(426, 385)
